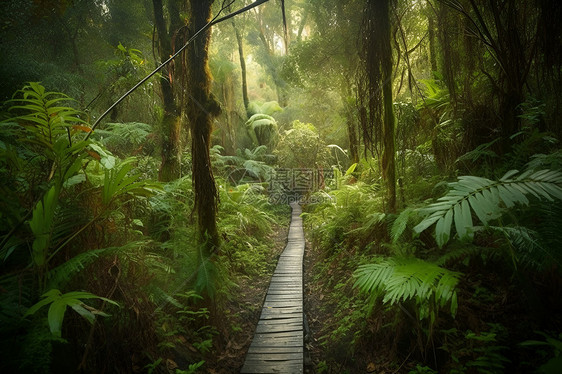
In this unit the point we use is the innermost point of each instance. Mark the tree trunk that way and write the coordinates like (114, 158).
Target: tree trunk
(201, 109)
(242, 67)
(389, 153)
(170, 167)
(388, 156)
(431, 35)
(376, 115)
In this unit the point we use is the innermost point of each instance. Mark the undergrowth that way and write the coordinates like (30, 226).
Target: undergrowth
(457, 299)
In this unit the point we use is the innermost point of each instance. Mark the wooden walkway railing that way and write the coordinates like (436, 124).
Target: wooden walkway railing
(277, 346)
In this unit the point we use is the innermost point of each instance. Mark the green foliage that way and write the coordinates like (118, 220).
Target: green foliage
(263, 130)
(268, 108)
(247, 166)
(302, 147)
(125, 138)
(58, 304)
(476, 352)
(45, 118)
(487, 199)
(192, 369)
(554, 356)
(246, 219)
(50, 130)
(422, 370)
(119, 185)
(41, 225)
(436, 96)
(400, 279)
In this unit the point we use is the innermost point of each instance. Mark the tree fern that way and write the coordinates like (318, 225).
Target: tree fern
(402, 279)
(487, 199)
(263, 129)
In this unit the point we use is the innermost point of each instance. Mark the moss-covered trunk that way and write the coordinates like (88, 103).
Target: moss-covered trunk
(170, 167)
(376, 113)
(201, 109)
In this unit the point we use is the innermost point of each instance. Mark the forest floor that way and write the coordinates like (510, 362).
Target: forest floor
(320, 315)
(243, 312)
(326, 354)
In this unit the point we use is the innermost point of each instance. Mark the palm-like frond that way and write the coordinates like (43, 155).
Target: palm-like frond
(487, 199)
(401, 279)
(46, 119)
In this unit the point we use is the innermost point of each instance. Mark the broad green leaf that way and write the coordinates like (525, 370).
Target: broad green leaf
(48, 297)
(467, 219)
(55, 316)
(516, 193)
(78, 308)
(74, 180)
(443, 229)
(478, 209)
(59, 302)
(506, 196)
(508, 175)
(425, 224)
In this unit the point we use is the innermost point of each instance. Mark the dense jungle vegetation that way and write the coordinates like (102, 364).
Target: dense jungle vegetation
(422, 138)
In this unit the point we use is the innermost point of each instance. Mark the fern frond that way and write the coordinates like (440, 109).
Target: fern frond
(487, 199)
(529, 249)
(461, 252)
(401, 279)
(44, 118)
(400, 223)
(63, 273)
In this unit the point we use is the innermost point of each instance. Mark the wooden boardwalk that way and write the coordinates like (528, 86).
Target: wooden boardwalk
(278, 346)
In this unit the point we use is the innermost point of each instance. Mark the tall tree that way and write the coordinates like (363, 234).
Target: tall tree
(201, 109)
(170, 167)
(376, 109)
(240, 41)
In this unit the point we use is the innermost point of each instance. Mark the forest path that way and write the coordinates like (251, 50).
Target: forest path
(277, 346)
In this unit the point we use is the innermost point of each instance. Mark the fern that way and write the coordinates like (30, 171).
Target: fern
(63, 273)
(263, 129)
(123, 137)
(487, 199)
(46, 120)
(401, 279)
(400, 223)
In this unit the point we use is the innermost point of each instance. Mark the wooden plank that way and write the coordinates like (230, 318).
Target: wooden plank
(257, 349)
(278, 342)
(269, 316)
(282, 304)
(268, 357)
(278, 289)
(289, 327)
(280, 334)
(284, 297)
(279, 321)
(267, 368)
(277, 284)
